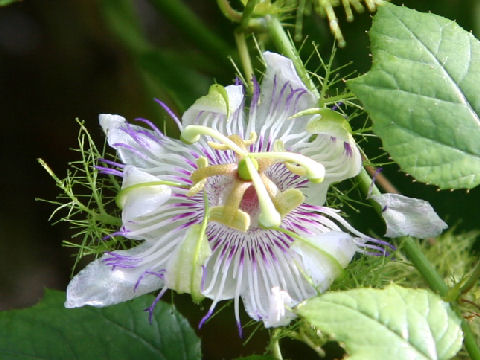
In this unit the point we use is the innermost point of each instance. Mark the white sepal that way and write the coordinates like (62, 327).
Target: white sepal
(185, 267)
(406, 216)
(324, 256)
(100, 284)
(141, 194)
(221, 103)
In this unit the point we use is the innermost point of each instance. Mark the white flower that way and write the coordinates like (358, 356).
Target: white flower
(239, 209)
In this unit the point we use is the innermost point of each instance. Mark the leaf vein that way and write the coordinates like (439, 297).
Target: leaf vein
(134, 335)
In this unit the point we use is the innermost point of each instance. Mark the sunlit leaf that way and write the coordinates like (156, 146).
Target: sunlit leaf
(423, 95)
(394, 323)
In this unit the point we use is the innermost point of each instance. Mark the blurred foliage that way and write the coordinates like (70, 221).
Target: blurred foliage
(7, 2)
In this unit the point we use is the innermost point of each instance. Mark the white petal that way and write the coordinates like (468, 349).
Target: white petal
(278, 315)
(109, 121)
(140, 200)
(325, 255)
(249, 266)
(282, 95)
(212, 109)
(136, 145)
(219, 279)
(406, 216)
(100, 285)
(341, 159)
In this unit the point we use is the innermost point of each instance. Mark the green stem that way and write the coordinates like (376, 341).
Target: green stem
(245, 58)
(188, 22)
(469, 341)
(275, 345)
(472, 280)
(334, 99)
(425, 268)
(247, 13)
(229, 12)
(284, 44)
(306, 339)
(417, 258)
(368, 188)
(108, 219)
(67, 191)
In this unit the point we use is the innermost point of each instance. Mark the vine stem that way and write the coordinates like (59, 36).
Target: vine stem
(229, 12)
(472, 280)
(245, 58)
(275, 345)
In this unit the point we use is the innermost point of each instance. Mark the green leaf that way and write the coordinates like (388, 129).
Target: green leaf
(378, 324)
(423, 95)
(49, 331)
(256, 357)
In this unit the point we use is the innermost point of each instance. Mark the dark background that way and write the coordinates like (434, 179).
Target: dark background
(60, 60)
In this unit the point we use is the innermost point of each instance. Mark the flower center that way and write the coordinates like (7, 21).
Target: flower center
(252, 192)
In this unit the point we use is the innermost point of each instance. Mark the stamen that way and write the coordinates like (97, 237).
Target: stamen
(284, 201)
(288, 200)
(191, 134)
(314, 171)
(252, 139)
(230, 214)
(196, 188)
(212, 170)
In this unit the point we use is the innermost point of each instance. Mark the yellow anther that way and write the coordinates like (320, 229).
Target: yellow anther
(252, 139)
(212, 170)
(202, 162)
(296, 169)
(288, 200)
(264, 164)
(314, 171)
(231, 217)
(196, 187)
(230, 214)
(238, 141)
(284, 201)
(192, 133)
(278, 145)
(217, 146)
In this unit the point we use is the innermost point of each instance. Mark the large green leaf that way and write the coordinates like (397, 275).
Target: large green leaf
(394, 323)
(49, 331)
(423, 94)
